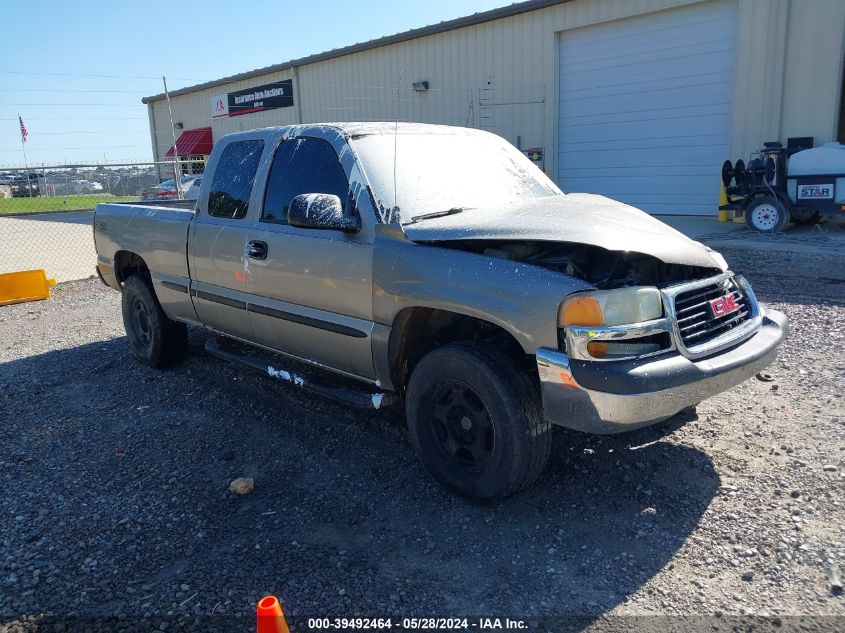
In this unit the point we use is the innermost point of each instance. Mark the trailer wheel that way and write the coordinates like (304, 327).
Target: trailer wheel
(767, 214)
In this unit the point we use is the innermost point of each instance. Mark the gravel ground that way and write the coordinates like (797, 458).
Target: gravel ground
(115, 511)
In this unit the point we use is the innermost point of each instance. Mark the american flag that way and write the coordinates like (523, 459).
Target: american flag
(24, 133)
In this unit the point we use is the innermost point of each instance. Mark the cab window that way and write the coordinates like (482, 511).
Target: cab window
(233, 178)
(302, 165)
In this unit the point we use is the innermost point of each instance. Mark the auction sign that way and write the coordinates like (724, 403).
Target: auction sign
(266, 97)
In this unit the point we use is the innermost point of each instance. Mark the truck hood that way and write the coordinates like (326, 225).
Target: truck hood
(579, 218)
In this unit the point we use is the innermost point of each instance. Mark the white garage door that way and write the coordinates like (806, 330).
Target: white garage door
(645, 107)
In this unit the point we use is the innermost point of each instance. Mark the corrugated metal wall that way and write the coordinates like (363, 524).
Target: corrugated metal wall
(502, 76)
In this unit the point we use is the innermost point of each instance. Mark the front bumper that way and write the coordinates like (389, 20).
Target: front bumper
(611, 397)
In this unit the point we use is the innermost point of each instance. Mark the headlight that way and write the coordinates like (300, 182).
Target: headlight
(623, 306)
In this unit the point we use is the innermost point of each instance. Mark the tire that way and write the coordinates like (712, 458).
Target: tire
(155, 340)
(476, 421)
(767, 214)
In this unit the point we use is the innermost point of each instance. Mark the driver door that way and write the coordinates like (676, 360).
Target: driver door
(312, 288)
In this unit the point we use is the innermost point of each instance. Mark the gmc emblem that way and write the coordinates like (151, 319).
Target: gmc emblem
(723, 305)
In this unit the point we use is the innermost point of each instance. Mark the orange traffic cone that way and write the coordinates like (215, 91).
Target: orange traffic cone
(270, 616)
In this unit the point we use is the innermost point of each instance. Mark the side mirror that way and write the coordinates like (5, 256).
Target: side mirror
(321, 211)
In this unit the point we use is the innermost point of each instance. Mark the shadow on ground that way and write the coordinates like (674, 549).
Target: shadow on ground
(116, 479)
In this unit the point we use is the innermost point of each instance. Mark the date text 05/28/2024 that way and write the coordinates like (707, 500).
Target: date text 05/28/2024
(422, 624)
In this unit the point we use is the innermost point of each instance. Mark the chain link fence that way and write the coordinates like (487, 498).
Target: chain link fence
(46, 211)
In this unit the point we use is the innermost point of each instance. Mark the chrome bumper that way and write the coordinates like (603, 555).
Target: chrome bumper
(611, 397)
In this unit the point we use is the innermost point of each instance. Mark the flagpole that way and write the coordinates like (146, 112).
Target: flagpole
(177, 172)
(25, 166)
(23, 144)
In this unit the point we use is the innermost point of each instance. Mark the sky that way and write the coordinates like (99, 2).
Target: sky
(76, 71)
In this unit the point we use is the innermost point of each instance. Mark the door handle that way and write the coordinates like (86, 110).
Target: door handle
(256, 249)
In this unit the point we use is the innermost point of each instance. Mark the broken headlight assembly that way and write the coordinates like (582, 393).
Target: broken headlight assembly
(618, 324)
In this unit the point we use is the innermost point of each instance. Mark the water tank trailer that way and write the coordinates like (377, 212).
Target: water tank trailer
(798, 182)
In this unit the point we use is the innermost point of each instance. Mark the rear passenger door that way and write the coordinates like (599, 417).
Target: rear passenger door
(312, 293)
(220, 235)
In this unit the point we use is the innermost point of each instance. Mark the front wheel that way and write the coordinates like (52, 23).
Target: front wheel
(155, 339)
(476, 421)
(767, 214)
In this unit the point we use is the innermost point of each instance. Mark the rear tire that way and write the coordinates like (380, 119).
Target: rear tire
(476, 421)
(767, 214)
(155, 339)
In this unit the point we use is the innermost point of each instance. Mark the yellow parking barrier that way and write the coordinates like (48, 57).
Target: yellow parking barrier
(25, 285)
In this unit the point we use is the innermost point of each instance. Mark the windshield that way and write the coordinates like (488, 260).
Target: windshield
(439, 172)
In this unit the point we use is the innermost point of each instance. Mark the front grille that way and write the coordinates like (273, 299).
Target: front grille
(696, 322)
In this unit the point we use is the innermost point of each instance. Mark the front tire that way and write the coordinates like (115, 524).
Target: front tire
(476, 421)
(767, 214)
(155, 339)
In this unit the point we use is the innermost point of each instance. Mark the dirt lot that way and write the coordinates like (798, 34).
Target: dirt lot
(115, 511)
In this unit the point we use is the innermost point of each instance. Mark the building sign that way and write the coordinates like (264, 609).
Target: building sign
(267, 97)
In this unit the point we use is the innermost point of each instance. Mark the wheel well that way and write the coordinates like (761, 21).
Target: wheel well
(417, 331)
(127, 264)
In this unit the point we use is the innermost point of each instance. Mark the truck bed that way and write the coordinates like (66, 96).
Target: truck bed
(156, 233)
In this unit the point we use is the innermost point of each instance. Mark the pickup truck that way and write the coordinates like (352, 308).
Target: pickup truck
(437, 267)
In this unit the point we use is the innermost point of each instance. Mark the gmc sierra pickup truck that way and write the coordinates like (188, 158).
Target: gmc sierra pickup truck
(437, 267)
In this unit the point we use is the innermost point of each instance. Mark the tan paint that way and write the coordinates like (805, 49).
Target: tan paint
(813, 70)
(787, 82)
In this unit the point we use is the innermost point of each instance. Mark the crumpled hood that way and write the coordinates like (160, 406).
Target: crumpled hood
(580, 218)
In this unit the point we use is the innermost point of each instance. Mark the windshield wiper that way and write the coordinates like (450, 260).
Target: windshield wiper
(437, 214)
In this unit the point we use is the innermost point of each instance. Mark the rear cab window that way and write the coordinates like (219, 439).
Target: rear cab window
(234, 176)
(302, 165)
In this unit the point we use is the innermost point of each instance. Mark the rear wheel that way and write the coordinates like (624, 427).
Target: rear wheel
(767, 214)
(476, 421)
(155, 339)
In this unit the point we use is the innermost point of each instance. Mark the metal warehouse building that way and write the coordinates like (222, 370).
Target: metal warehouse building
(639, 100)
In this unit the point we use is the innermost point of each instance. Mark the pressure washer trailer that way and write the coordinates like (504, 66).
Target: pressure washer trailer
(798, 182)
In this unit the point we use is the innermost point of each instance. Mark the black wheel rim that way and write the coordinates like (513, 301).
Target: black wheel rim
(142, 328)
(461, 426)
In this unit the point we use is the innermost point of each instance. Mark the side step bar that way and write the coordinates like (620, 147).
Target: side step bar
(361, 399)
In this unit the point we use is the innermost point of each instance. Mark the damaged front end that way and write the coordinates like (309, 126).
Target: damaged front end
(598, 266)
(650, 337)
(653, 321)
(631, 312)
(651, 340)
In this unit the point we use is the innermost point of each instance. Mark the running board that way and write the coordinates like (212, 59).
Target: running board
(361, 399)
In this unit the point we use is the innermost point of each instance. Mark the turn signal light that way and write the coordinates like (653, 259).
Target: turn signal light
(597, 349)
(582, 311)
